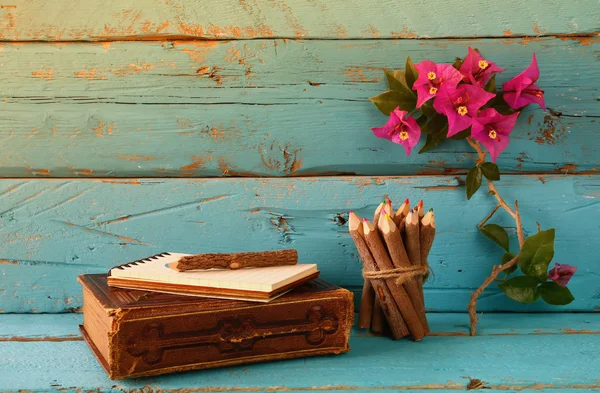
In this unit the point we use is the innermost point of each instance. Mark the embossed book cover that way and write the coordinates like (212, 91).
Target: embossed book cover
(139, 333)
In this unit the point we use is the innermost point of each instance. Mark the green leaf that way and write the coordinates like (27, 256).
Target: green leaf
(457, 63)
(490, 86)
(473, 181)
(504, 109)
(461, 135)
(490, 171)
(427, 108)
(522, 289)
(500, 105)
(388, 101)
(433, 140)
(411, 73)
(421, 121)
(536, 254)
(507, 257)
(497, 234)
(554, 294)
(396, 80)
(435, 124)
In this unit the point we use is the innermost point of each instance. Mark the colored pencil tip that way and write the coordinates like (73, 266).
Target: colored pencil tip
(387, 216)
(350, 212)
(431, 210)
(421, 203)
(166, 265)
(407, 201)
(365, 220)
(411, 210)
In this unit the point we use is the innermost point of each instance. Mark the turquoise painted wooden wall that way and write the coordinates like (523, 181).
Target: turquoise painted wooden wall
(130, 128)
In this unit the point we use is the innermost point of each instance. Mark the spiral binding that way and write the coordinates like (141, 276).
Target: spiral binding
(140, 261)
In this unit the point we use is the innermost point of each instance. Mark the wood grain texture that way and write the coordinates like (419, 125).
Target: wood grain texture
(53, 230)
(55, 20)
(266, 108)
(55, 327)
(451, 361)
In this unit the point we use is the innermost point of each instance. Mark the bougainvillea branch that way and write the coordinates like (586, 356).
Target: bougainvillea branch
(497, 269)
(460, 101)
(501, 203)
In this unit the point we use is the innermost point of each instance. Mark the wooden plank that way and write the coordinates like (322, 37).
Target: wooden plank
(443, 363)
(55, 20)
(63, 327)
(53, 230)
(265, 108)
(43, 327)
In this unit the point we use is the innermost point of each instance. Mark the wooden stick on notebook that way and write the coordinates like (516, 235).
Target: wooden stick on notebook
(367, 303)
(382, 260)
(395, 247)
(235, 261)
(382, 292)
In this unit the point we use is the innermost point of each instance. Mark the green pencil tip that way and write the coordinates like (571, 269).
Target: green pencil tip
(431, 210)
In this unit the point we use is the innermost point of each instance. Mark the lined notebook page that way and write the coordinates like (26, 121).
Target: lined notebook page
(263, 279)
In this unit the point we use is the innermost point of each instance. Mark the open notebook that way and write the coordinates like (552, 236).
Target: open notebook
(261, 284)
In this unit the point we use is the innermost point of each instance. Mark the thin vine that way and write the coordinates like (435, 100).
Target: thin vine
(496, 269)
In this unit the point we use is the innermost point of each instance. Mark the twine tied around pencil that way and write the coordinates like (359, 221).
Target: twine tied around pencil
(401, 274)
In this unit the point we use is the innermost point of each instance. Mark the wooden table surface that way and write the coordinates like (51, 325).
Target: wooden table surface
(135, 127)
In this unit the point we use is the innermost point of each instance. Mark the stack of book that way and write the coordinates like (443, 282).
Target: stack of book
(175, 312)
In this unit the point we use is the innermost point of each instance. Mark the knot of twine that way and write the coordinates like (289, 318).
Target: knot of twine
(401, 274)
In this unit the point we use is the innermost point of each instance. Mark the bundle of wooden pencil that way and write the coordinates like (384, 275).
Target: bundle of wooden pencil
(394, 249)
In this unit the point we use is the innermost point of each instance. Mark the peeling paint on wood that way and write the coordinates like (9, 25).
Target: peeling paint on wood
(156, 19)
(198, 111)
(53, 230)
(453, 363)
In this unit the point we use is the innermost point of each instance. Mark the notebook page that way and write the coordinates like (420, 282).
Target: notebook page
(264, 279)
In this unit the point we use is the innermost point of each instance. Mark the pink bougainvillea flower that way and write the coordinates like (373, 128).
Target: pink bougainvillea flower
(401, 129)
(522, 90)
(460, 105)
(476, 70)
(493, 130)
(562, 273)
(432, 77)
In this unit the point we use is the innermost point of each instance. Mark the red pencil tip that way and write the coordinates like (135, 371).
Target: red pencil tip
(407, 201)
(350, 212)
(421, 203)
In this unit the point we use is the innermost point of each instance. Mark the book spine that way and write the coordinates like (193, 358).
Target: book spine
(319, 324)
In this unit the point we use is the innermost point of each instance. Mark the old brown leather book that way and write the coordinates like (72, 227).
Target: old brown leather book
(138, 333)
